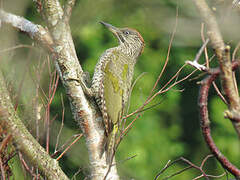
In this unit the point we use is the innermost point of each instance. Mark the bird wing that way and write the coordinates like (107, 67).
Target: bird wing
(111, 92)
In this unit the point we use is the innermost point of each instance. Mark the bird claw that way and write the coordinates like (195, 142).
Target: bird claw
(85, 83)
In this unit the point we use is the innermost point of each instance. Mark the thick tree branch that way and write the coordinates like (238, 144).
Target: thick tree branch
(205, 122)
(68, 9)
(36, 32)
(24, 141)
(62, 49)
(223, 53)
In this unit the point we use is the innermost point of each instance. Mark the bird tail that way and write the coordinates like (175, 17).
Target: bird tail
(111, 142)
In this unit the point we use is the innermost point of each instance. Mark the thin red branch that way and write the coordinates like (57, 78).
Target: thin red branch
(67, 142)
(205, 160)
(191, 165)
(222, 52)
(25, 165)
(64, 152)
(205, 122)
(194, 166)
(53, 83)
(219, 93)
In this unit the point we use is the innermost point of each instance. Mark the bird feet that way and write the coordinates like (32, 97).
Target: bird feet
(85, 83)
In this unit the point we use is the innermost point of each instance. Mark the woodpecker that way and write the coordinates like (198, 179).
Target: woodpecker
(112, 80)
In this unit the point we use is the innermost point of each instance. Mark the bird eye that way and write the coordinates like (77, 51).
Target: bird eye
(126, 32)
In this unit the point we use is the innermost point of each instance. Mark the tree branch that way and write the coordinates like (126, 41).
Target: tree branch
(68, 9)
(25, 142)
(223, 54)
(205, 122)
(62, 50)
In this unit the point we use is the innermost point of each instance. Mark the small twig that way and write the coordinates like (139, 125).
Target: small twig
(205, 160)
(61, 155)
(76, 173)
(124, 160)
(191, 165)
(65, 144)
(194, 166)
(25, 165)
(62, 124)
(149, 99)
(168, 164)
(17, 47)
(235, 51)
(177, 173)
(195, 63)
(219, 93)
(205, 49)
(54, 78)
(210, 176)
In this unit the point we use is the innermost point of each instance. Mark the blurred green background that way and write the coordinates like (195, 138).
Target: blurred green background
(165, 132)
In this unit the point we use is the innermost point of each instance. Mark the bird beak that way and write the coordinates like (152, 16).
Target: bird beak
(114, 30)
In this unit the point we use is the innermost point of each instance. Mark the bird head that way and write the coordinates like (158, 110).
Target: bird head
(128, 38)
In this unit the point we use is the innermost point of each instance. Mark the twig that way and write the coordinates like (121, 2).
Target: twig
(62, 124)
(177, 173)
(168, 164)
(219, 93)
(25, 165)
(210, 176)
(195, 63)
(194, 166)
(76, 173)
(223, 55)
(124, 160)
(205, 49)
(17, 47)
(60, 156)
(65, 144)
(191, 165)
(205, 160)
(235, 51)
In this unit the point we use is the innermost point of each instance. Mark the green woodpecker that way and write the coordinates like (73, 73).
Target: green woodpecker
(112, 80)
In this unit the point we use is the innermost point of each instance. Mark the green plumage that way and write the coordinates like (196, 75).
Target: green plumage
(112, 81)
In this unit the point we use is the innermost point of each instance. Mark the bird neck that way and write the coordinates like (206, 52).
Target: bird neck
(132, 50)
